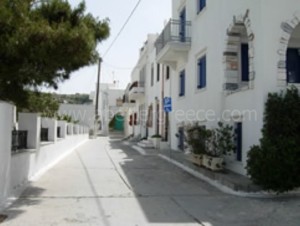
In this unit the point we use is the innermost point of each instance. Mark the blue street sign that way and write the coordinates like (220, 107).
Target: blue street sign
(167, 104)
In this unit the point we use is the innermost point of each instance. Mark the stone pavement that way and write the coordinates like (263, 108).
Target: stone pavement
(106, 183)
(227, 178)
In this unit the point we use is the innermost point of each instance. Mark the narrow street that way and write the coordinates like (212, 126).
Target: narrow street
(107, 183)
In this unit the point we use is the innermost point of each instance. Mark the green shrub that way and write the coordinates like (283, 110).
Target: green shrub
(197, 138)
(275, 163)
(156, 136)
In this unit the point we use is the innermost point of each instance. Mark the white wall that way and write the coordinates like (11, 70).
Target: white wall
(26, 165)
(31, 122)
(6, 127)
(51, 124)
(85, 114)
(63, 128)
(209, 35)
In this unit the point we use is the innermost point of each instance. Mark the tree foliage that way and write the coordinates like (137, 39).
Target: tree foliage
(43, 103)
(275, 163)
(43, 42)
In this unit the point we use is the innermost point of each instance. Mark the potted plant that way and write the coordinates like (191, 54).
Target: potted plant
(196, 138)
(156, 140)
(221, 143)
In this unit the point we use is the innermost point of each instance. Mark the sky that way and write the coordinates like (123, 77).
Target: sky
(117, 65)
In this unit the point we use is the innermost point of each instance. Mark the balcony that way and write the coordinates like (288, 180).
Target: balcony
(174, 43)
(136, 90)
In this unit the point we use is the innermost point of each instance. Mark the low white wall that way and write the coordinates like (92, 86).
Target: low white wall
(31, 122)
(51, 124)
(63, 128)
(26, 165)
(6, 126)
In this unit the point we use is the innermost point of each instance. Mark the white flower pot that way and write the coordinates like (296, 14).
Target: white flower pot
(196, 159)
(156, 142)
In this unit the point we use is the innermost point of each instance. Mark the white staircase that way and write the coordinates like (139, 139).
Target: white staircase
(146, 144)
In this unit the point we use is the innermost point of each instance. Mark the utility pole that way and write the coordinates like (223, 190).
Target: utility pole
(97, 98)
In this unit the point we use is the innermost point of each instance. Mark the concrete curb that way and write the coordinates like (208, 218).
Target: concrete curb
(139, 150)
(225, 189)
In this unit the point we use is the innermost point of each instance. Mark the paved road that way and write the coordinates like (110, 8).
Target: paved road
(107, 183)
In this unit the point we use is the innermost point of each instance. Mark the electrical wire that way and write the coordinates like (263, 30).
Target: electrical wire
(122, 28)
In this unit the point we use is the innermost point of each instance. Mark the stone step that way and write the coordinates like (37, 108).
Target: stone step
(145, 144)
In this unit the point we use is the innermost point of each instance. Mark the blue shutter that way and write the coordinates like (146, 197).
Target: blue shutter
(245, 62)
(238, 137)
(182, 25)
(202, 73)
(183, 83)
(199, 74)
(293, 66)
(201, 5)
(180, 84)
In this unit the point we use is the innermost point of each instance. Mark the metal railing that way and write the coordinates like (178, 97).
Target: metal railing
(174, 31)
(19, 140)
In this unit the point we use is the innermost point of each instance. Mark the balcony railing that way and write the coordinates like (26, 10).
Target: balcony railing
(174, 31)
(19, 140)
(137, 85)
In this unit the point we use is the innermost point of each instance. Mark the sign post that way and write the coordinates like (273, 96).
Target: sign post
(168, 104)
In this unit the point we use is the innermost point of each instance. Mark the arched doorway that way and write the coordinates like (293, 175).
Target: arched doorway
(289, 52)
(239, 55)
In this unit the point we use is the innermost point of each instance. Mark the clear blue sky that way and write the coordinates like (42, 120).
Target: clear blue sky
(148, 18)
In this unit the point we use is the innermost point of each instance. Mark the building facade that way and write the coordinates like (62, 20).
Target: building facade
(223, 58)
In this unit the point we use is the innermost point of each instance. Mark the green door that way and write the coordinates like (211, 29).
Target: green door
(119, 123)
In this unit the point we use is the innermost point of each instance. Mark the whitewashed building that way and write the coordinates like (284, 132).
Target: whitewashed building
(217, 60)
(109, 104)
(226, 56)
(143, 100)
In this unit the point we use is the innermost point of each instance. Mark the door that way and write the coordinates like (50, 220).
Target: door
(239, 140)
(182, 25)
(293, 66)
(181, 139)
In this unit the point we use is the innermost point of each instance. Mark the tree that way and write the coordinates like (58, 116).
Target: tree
(275, 163)
(43, 42)
(43, 103)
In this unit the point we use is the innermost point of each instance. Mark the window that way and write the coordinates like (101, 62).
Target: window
(158, 72)
(245, 62)
(238, 140)
(182, 83)
(152, 75)
(293, 65)
(167, 72)
(201, 5)
(201, 69)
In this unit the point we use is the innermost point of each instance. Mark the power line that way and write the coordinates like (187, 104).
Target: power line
(123, 27)
(117, 67)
